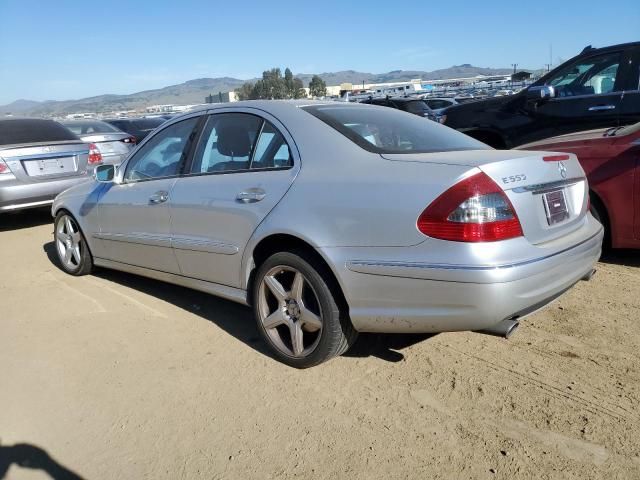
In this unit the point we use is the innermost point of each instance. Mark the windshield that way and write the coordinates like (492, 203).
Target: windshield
(86, 128)
(29, 130)
(622, 131)
(387, 130)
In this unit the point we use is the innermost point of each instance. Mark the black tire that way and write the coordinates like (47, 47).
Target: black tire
(337, 333)
(85, 264)
(599, 213)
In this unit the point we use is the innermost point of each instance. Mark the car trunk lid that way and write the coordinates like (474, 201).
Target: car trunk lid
(109, 143)
(548, 190)
(45, 161)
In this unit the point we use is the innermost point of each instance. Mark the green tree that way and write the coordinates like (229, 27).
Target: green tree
(317, 87)
(298, 89)
(289, 84)
(245, 91)
(272, 86)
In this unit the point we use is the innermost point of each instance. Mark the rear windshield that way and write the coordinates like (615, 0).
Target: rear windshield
(387, 130)
(87, 128)
(148, 123)
(31, 130)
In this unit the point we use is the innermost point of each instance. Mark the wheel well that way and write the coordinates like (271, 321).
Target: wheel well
(598, 204)
(492, 139)
(289, 243)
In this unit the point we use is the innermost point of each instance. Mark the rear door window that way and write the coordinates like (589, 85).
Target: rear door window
(272, 150)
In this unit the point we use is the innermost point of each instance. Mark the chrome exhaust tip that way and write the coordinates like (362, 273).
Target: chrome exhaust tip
(504, 329)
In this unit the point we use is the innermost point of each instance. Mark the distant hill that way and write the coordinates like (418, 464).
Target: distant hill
(195, 91)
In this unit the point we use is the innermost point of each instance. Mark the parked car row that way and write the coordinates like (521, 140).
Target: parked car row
(41, 158)
(413, 105)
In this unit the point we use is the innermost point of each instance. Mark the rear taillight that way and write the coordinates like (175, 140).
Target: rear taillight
(3, 167)
(94, 154)
(130, 140)
(473, 210)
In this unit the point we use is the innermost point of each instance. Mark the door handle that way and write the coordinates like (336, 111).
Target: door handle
(600, 108)
(159, 197)
(251, 195)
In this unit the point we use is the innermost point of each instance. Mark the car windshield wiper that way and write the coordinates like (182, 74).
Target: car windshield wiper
(611, 132)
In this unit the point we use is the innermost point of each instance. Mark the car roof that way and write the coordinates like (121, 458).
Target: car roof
(81, 121)
(9, 119)
(590, 49)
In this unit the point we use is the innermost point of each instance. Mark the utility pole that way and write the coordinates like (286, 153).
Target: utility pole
(514, 65)
(548, 65)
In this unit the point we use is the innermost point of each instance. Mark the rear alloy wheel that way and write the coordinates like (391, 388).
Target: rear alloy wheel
(297, 313)
(73, 253)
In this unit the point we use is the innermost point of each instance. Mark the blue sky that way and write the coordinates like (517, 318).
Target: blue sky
(73, 49)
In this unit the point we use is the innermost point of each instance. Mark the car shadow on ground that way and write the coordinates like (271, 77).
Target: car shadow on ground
(237, 320)
(25, 219)
(34, 458)
(626, 257)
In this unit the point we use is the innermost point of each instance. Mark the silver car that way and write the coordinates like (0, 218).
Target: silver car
(114, 145)
(38, 160)
(333, 218)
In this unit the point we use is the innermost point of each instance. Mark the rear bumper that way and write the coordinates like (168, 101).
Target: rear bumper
(395, 297)
(18, 195)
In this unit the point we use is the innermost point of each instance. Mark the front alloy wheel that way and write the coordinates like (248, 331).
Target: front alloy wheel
(71, 246)
(297, 312)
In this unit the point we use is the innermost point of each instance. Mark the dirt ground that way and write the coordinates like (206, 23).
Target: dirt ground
(112, 376)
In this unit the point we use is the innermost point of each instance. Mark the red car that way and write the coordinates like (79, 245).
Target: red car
(611, 159)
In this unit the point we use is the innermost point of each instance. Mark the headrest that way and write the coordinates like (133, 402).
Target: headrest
(233, 140)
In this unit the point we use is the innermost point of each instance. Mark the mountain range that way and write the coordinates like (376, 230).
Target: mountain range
(195, 91)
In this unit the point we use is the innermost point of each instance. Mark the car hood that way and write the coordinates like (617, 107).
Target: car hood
(479, 105)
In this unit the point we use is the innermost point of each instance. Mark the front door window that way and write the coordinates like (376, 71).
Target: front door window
(161, 156)
(591, 76)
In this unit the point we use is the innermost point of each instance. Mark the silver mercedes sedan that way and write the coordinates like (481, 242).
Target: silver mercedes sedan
(331, 219)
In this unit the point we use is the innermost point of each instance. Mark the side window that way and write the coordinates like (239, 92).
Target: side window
(161, 156)
(272, 150)
(594, 75)
(226, 143)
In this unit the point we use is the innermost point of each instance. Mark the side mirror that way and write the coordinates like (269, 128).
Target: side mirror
(540, 93)
(105, 173)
